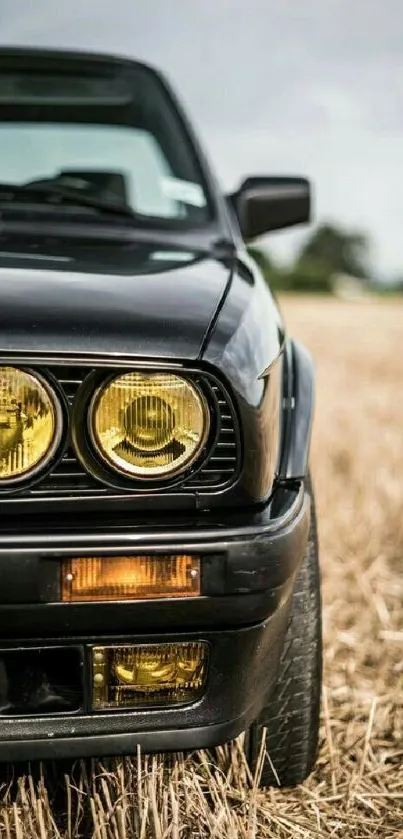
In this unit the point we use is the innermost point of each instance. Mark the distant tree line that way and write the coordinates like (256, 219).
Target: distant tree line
(329, 255)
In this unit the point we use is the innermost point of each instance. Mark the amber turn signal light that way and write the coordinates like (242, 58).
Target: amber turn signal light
(86, 579)
(152, 674)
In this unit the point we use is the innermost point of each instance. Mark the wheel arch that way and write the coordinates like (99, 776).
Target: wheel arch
(298, 412)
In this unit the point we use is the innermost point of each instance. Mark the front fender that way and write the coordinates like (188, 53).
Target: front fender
(298, 412)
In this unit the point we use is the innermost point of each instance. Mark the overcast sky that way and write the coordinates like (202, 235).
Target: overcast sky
(311, 87)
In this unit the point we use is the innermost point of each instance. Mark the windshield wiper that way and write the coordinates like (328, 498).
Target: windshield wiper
(51, 189)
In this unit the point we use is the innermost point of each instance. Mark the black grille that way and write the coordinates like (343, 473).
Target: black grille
(70, 479)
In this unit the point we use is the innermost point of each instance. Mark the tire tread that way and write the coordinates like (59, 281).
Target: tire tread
(291, 716)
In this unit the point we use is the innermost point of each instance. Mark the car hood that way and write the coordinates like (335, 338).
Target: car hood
(149, 304)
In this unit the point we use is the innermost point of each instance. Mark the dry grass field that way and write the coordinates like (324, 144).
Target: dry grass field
(357, 788)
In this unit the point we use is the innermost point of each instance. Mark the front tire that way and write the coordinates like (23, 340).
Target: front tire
(291, 717)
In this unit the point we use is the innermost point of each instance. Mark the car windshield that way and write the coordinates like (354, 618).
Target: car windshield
(130, 148)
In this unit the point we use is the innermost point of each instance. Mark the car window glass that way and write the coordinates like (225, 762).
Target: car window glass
(33, 151)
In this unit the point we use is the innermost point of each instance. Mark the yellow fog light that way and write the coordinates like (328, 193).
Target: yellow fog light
(30, 424)
(153, 674)
(149, 425)
(129, 577)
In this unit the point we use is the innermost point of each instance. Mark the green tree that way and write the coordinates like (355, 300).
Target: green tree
(261, 257)
(275, 276)
(336, 251)
(309, 274)
(327, 252)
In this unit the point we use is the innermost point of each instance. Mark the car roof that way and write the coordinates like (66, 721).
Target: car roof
(73, 57)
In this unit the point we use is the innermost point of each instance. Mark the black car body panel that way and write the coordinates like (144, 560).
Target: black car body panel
(86, 297)
(248, 572)
(162, 314)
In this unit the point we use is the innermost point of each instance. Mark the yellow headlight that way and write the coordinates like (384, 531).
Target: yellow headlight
(29, 427)
(149, 425)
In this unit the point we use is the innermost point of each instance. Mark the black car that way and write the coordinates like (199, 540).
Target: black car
(159, 582)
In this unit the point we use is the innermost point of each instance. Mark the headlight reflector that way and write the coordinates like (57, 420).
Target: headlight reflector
(149, 425)
(29, 426)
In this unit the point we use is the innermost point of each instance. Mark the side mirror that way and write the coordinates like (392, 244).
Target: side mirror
(265, 204)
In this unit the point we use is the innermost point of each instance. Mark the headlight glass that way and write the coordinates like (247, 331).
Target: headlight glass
(149, 425)
(29, 427)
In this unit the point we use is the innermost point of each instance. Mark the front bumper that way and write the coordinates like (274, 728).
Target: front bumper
(249, 561)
